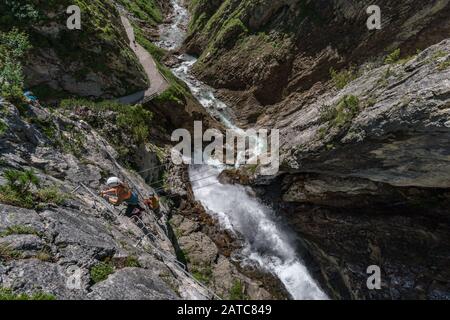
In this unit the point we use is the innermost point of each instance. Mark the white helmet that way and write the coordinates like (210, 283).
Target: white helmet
(113, 182)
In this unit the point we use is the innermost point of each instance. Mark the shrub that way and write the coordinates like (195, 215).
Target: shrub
(132, 262)
(6, 253)
(237, 291)
(138, 120)
(45, 255)
(393, 57)
(21, 181)
(203, 275)
(134, 120)
(101, 271)
(13, 47)
(342, 78)
(18, 12)
(17, 189)
(51, 195)
(345, 110)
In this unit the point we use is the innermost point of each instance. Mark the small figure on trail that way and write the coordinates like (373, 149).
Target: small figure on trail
(31, 99)
(153, 203)
(119, 193)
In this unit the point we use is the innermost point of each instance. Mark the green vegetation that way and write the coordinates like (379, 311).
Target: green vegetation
(341, 114)
(45, 255)
(229, 33)
(6, 253)
(132, 262)
(47, 126)
(133, 120)
(202, 274)
(3, 127)
(18, 190)
(156, 52)
(177, 89)
(172, 95)
(18, 12)
(19, 229)
(146, 10)
(8, 294)
(183, 256)
(101, 271)
(439, 54)
(51, 195)
(342, 78)
(237, 291)
(72, 141)
(393, 57)
(13, 47)
(444, 65)
(101, 31)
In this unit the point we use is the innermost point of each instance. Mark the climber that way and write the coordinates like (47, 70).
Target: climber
(153, 203)
(118, 193)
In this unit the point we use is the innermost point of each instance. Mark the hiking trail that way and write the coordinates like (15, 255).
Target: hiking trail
(158, 83)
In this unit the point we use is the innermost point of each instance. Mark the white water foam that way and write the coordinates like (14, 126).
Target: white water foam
(266, 242)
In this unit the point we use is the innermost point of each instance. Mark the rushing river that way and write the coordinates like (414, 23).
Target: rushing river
(267, 244)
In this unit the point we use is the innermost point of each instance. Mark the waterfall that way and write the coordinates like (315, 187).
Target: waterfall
(267, 244)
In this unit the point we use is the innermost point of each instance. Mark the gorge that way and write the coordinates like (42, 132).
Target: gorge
(364, 176)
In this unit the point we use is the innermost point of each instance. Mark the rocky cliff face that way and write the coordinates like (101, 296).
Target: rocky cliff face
(58, 239)
(262, 52)
(364, 176)
(93, 62)
(72, 245)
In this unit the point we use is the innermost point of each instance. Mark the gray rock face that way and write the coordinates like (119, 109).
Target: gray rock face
(13, 216)
(399, 135)
(132, 284)
(34, 275)
(201, 249)
(55, 248)
(27, 242)
(371, 186)
(209, 263)
(74, 65)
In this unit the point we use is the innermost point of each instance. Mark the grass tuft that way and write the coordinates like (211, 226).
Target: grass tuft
(7, 294)
(101, 271)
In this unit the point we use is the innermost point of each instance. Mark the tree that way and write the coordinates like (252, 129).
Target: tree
(13, 47)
